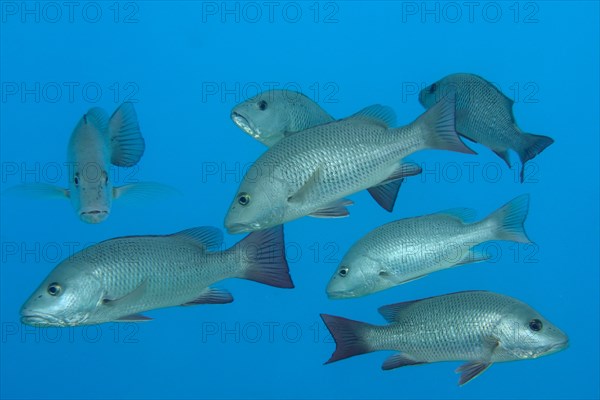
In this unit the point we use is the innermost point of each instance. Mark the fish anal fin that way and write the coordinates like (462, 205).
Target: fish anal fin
(211, 296)
(471, 370)
(400, 360)
(134, 318)
(474, 256)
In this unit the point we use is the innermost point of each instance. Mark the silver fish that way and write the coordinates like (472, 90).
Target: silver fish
(484, 115)
(475, 326)
(95, 144)
(411, 248)
(310, 172)
(273, 115)
(117, 279)
(270, 116)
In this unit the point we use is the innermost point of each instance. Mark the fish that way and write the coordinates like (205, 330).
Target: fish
(478, 327)
(97, 142)
(412, 248)
(312, 171)
(271, 115)
(118, 279)
(485, 115)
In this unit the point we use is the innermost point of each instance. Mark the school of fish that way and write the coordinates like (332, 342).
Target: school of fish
(312, 164)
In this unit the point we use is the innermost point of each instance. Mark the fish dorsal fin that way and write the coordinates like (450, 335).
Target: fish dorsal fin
(125, 137)
(130, 298)
(96, 117)
(392, 312)
(463, 214)
(211, 296)
(207, 237)
(378, 114)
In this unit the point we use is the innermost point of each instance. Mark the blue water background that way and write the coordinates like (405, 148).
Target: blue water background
(186, 65)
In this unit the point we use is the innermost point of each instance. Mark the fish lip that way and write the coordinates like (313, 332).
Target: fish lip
(238, 228)
(243, 123)
(37, 318)
(339, 294)
(93, 216)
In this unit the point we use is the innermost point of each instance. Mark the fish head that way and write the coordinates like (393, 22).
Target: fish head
(67, 297)
(356, 276)
(91, 192)
(257, 205)
(265, 117)
(523, 333)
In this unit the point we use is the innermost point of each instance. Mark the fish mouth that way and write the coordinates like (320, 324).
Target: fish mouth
(340, 294)
(241, 228)
(558, 347)
(40, 319)
(93, 216)
(243, 123)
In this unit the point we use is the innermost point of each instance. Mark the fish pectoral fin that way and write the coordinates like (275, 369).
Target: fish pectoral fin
(130, 298)
(471, 370)
(38, 191)
(211, 296)
(377, 114)
(143, 191)
(400, 360)
(125, 137)
(134, 318)
(474, 256)
(307, 190)
(336, 209)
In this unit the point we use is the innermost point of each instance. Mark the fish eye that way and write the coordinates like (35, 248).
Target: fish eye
(76, 179)
(54, 289)
(105, 175)
(433, 88)
(262, 105)
(343, 271)
(244, 199)
(535, 325)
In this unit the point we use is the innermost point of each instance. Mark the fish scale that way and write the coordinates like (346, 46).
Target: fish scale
(478, 327)
(411, 248)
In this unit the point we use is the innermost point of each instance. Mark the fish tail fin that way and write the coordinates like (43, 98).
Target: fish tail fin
(262, 255)
(125, 136)
(507, 222)
(436, 127)
(349, 337)
(532, 146)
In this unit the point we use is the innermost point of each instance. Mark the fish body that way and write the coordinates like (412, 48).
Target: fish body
(484, 115)
(478, 327)
(270, 116)
(117, 279)
(411, 248)
(311, 172)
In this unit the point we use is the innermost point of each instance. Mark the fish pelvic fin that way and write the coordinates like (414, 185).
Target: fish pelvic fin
(471, 370)
(507, 222)
(262, 254)
(532, 146)
(349, 337)
(437, 127)
(125, 136)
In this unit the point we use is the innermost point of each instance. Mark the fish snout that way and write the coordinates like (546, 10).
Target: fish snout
(38, 318)
(93, 216)
(238, 228)
(243, 123)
